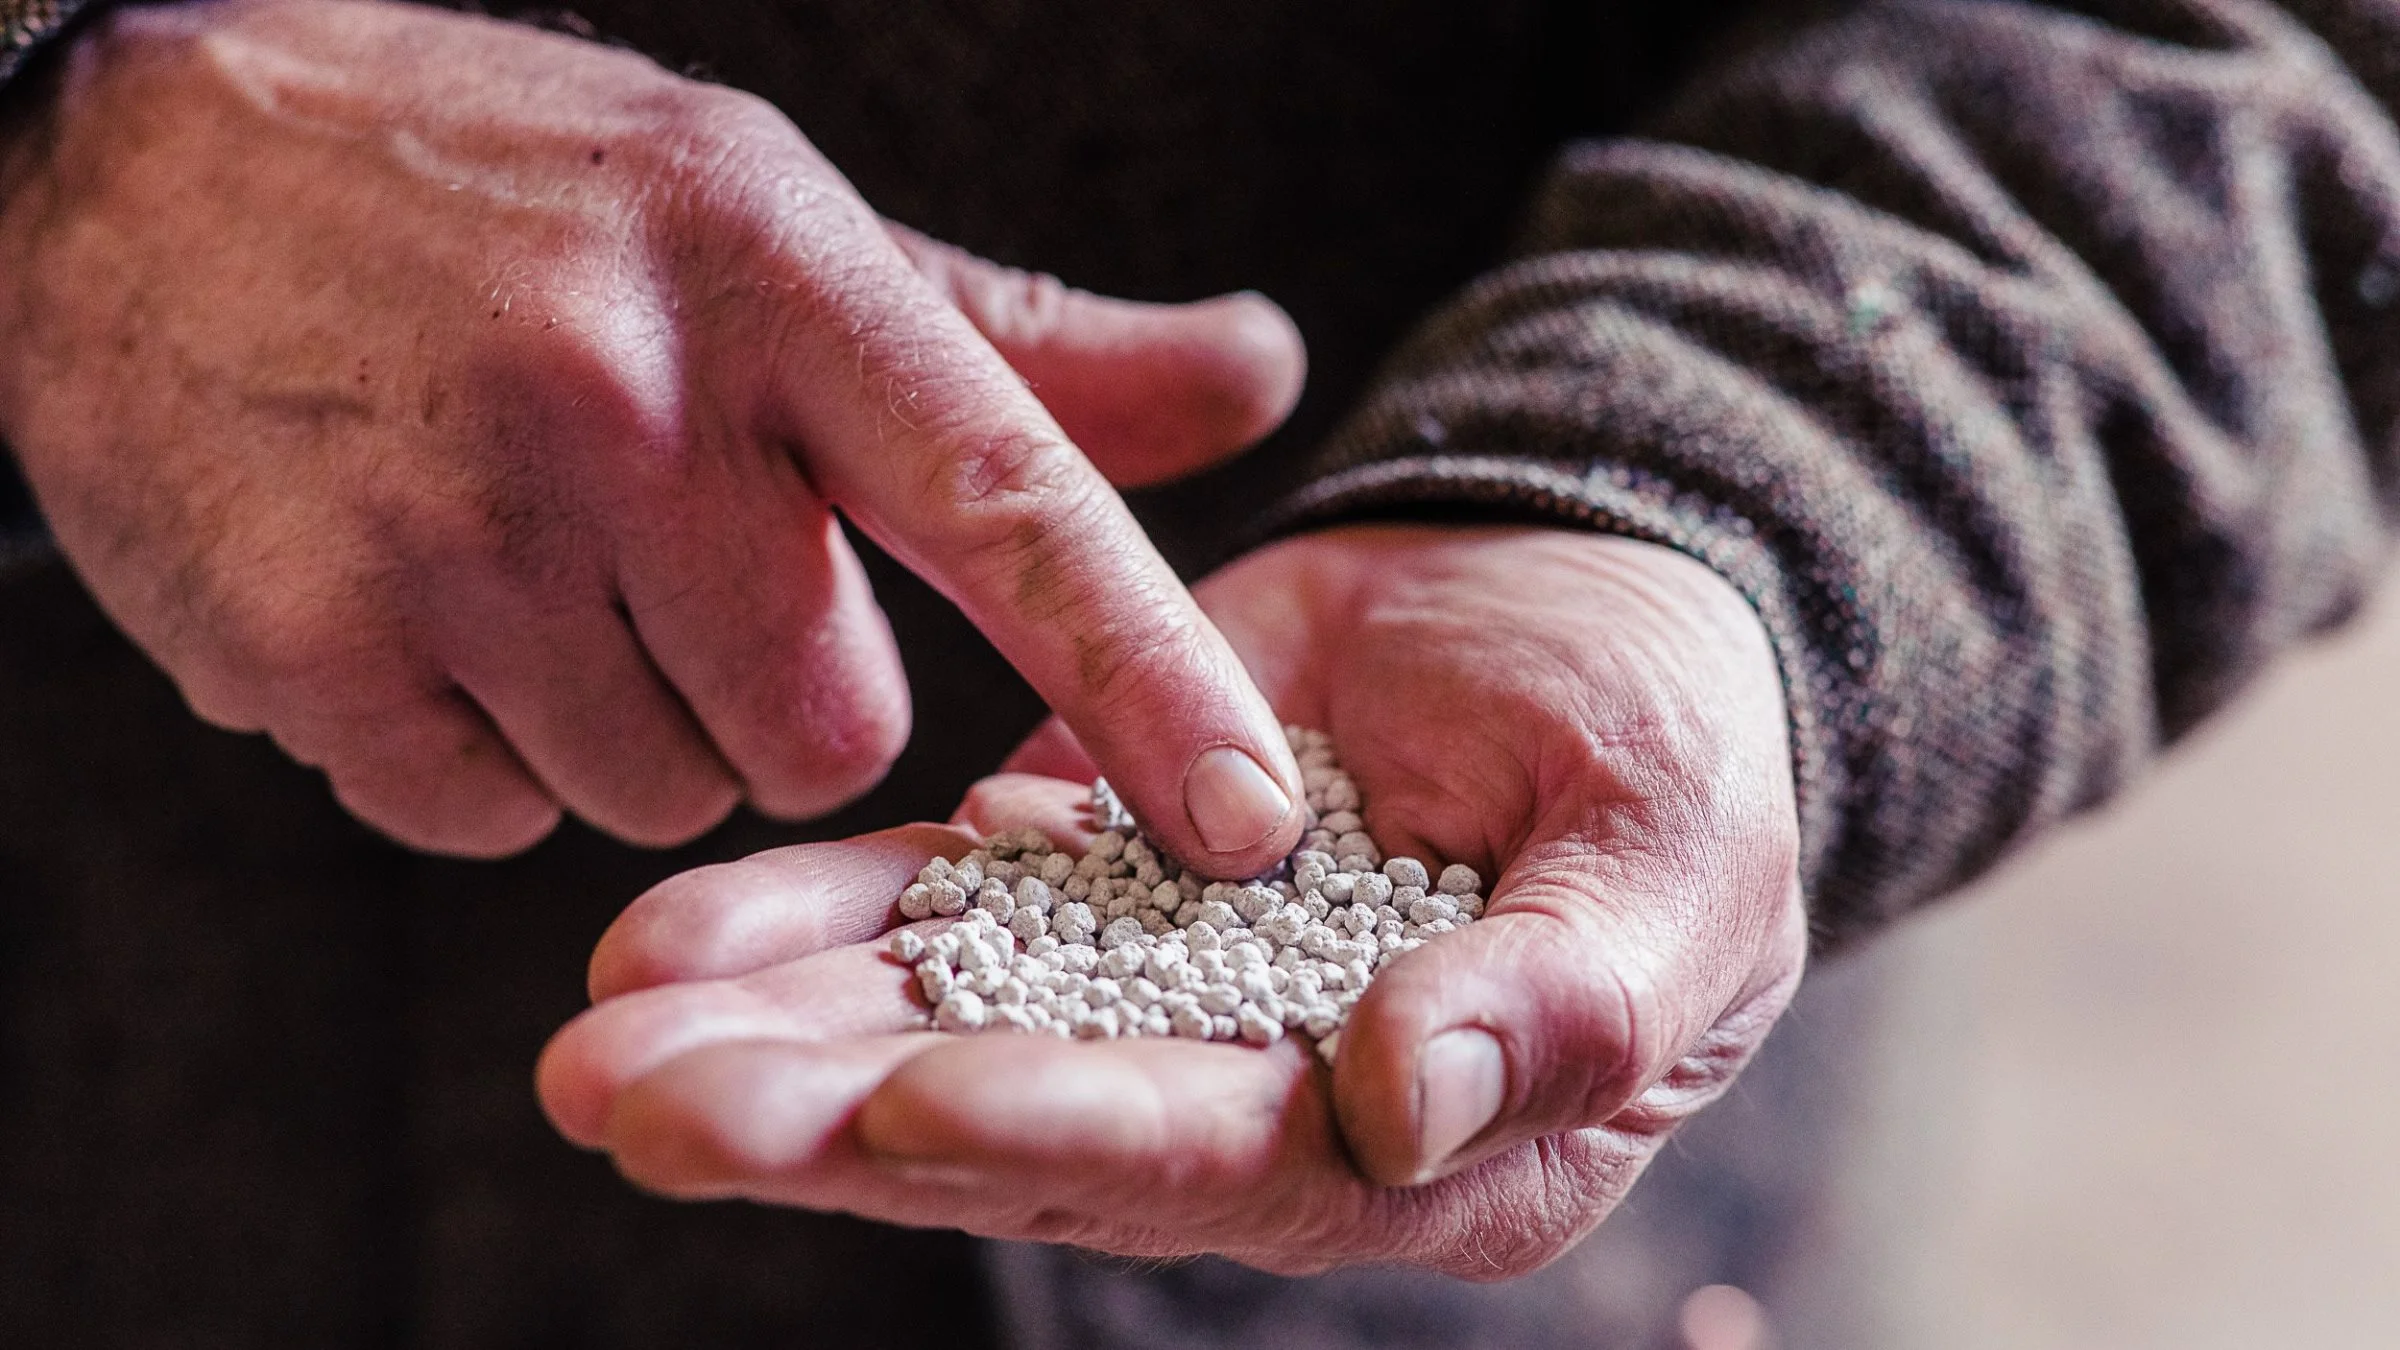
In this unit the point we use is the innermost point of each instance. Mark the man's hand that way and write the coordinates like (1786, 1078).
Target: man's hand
(1598, 722)
(467, 407)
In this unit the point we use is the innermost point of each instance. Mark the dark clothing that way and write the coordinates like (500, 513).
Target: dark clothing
(2030, 367)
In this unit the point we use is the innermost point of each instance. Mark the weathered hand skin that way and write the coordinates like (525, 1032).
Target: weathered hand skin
(468, 408)
(1595, 722)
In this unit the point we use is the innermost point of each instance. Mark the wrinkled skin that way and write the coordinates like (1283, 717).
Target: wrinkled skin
(467, 407)
(1596, 722)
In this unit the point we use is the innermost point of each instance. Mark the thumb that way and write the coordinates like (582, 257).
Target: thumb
(1147, 392)
(1554, 1012)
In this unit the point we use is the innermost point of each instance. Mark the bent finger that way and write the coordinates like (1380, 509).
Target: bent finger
(763, 1119)
(740, 917)
(834, 995)
(1149, 392)
(758, 611)
(730, 1129)
(1058, 808)
(432, 772)
(774, 1122)
(1177, 1148)
(1552, 1013)
(587, 713)
(1052, 752)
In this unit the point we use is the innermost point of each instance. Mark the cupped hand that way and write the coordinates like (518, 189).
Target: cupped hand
(1595, 722)
(468, 407)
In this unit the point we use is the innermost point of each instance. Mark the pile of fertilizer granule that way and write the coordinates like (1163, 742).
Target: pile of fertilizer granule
(1123, 942)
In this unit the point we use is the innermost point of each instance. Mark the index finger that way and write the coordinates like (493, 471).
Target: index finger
(915, 427)
(734, 918)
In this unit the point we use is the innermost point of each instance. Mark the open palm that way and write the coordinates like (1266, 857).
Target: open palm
(1596, 722)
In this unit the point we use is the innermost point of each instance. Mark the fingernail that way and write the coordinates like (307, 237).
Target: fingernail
(1233, 802)
(1461, 1077)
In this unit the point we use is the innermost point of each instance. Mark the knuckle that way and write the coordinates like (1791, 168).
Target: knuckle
(1696, 1080)
(996, 481)
(1008, 305)
(416, 765)
(859, 740)
(595, 373)
(846, 749)
(502, 834)
(1523, 1210)
(243, 617)
(1054, 561)
(823, 718)
(743, 185)
(1638, 1033)
(672, 819)
(1706, 1071)
(285, 641)
(495, 823)
(1606, 1023)
(223, 702)
(711, 135)
(739, 121)
(573, 437)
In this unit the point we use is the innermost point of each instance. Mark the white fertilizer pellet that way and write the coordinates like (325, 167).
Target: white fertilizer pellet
(1123, 942)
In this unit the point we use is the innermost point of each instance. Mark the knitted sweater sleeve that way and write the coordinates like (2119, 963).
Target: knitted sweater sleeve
(2033, 370)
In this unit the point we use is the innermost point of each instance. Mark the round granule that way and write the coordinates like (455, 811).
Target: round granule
(1123, 942)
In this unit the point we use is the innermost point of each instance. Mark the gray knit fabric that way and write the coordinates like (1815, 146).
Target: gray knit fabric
(2032, 371)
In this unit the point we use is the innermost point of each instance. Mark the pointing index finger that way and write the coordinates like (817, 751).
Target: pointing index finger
(913, 425)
